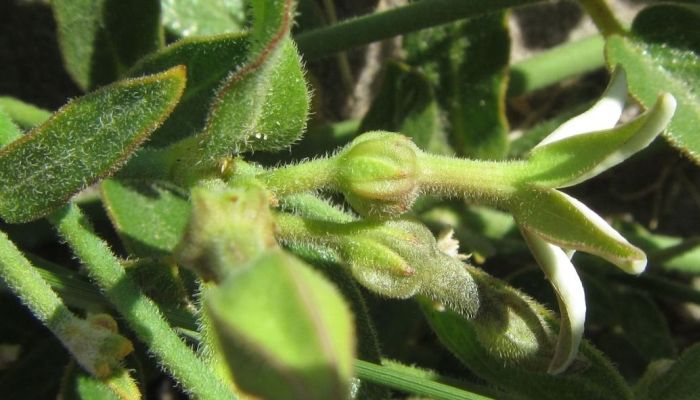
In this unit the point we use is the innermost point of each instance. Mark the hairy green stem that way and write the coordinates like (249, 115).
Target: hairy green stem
(141, 313)
(305, 176)
(491, 182)
(556, 64)
(96, 348)
(602, 16)
(370, 28)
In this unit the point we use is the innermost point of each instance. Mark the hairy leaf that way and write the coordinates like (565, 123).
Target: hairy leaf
(294, 342)
(664, 56)
(264, 104)
(84, 141)
(208, 60)
(101, 39)
(468, 62)
(264, 109)
(202, 18)
(149, 217)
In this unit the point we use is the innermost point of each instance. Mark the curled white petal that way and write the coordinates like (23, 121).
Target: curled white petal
(603, 115)
(659, 117)
(631, 266)
(572, 300)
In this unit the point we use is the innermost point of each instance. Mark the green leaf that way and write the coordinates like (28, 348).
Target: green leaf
(187, 18)
(468, 62)
(406, 103)
(260, 107)
(664, 56)
(644, 325)
(271, 20)
(9, 132)
(101, 39)
(84, 141)
(294, 342)
(150, 217)
(679, 380)
(509, 344)
(23, 114)
(208, 60)
(264, 104)
(565, 222)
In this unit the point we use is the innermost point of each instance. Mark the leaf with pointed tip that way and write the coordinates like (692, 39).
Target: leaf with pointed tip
(188, 18)
(260, 109)
(150, 217)
(83, 142)
(209, 60)
(663, 55)
(468, 62)
(406, 103)
(294, 342)
(101, 39)
(564, 221)
(264, 104)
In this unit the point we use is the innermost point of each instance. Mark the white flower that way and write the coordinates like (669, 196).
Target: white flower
(551, 221)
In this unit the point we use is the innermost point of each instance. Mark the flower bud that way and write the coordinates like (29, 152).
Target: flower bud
(378, 173)
(400, 258)
(284, 331)
(228, 227)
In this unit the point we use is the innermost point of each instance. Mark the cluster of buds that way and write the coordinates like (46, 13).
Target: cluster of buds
(382, 173)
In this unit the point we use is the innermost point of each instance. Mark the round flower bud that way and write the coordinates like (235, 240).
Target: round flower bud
(378, 173)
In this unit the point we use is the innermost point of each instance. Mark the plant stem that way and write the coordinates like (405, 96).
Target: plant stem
(556, 64)
(412, 384)
(370, 28)
(305, 176)
(475, 180)
(97, 349)
(602, 17)
(141, 313)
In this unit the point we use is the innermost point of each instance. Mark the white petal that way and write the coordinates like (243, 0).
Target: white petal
(572, 300)
(659, 118)
(602, 115)
(633, 266)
